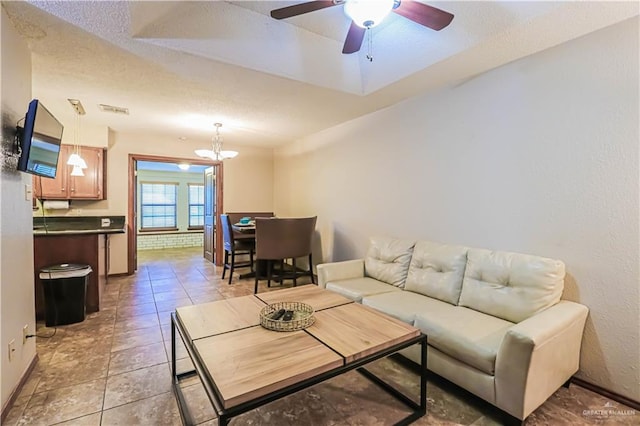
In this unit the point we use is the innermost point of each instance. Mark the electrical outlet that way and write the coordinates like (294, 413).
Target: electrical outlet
(25, 333)
(12, 349)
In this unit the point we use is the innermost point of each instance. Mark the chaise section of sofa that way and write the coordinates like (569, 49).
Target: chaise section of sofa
(495, 322)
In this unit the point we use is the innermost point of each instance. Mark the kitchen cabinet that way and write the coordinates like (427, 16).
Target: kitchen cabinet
(91, 186)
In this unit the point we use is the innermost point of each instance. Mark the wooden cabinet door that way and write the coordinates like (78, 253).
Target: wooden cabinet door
(55, 189)
(90, 185)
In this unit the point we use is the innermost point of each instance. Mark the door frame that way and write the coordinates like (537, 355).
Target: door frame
(132, 232)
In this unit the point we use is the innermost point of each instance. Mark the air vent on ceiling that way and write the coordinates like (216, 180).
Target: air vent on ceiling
(114, 109)
(77, 106)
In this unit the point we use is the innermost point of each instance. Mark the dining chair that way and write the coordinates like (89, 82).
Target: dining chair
(280, 239)
(235, 247)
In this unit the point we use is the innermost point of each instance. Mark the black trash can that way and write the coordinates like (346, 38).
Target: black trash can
(65, 290)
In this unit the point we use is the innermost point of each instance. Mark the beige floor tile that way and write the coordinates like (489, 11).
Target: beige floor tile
(135, 310)
(90, 420)
(135, 358)
(198, 403)
(74, 349)
(137, 322)
(64, 403)
(139, 288)
(133, 338)
(171, 305)
(158, 410)
(135, 385)
(173, 294)
(134, 298)
(83, 369)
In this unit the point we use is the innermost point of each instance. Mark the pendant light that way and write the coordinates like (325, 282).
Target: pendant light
(75, 159)
(217, 153)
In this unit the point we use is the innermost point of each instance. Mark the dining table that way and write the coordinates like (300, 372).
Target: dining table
(245, 228)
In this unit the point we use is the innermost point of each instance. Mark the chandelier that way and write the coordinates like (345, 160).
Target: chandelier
(217, 153)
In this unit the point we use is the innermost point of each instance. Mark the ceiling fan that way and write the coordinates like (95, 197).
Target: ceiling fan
(367, 14)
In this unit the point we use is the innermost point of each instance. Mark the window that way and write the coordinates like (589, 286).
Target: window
(196, 206)
(158, 205)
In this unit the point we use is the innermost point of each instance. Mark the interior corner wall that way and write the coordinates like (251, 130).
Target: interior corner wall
(16, 236)
(539, 156)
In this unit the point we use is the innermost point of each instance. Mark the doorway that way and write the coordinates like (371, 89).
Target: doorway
(212, 249)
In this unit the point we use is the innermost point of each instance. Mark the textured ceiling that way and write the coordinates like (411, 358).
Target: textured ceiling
(181, 66)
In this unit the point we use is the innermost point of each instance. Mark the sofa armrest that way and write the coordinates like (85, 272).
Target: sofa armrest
(537, 356)
(339, 271)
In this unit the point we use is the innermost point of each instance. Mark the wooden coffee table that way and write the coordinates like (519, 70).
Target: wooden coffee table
(243, 365)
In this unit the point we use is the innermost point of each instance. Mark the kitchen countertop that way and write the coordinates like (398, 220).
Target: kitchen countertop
(78, 225)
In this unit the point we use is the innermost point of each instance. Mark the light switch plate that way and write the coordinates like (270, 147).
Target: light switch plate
(12, 349)
(28, 194)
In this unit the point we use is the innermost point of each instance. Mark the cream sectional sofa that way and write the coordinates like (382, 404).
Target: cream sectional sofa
(495, 321)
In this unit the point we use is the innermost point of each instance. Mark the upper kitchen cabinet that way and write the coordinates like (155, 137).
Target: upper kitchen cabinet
(91, 186)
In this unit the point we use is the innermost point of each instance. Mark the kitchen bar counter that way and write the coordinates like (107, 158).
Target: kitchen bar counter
(69, 225)
(77, 239)
(41, 232)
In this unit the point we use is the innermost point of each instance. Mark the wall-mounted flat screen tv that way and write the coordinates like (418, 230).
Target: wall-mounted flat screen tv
(39, 141)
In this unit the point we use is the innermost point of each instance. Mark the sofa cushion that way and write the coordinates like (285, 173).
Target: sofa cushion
(436, 270)
(387, 260)
(464, 334)
(403, 305)
(356, 288)
(510, 286)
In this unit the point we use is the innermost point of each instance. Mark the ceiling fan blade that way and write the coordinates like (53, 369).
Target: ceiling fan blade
(299, 9)
(354, 39)
(423, 14)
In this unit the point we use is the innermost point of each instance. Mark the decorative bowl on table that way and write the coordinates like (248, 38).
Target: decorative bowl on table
(302, 316)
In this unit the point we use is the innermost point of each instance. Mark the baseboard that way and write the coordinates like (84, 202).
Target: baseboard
(18, 389)
(120, 274)
(607, 393)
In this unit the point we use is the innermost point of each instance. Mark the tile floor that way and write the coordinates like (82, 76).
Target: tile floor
(113, 369)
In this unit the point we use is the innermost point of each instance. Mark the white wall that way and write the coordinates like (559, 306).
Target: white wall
(16, 238)
(539, 156)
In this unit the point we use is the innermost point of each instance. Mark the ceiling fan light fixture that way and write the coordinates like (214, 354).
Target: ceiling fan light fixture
(368, 14)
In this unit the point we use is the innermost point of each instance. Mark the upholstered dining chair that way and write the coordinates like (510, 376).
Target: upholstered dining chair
(235, 247)
(280, 239)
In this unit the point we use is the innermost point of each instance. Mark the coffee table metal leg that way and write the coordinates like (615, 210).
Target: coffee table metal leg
(175, 378)
(173, 349)
(419, 409)
(423, 376)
